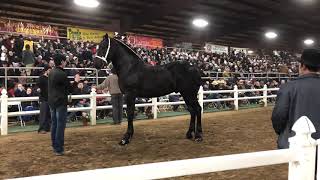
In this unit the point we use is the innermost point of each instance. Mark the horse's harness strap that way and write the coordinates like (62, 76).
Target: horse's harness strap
(107, 53)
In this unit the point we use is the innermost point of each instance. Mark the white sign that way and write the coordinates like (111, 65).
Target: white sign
(238, 50)
(212, 48)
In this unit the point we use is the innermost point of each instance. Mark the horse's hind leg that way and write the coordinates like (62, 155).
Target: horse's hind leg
(191, 130)
(198, 133)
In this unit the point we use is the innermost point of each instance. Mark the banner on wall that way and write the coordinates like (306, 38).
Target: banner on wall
(80, 34)
(144, 41)
(213, 48)
(184, 45)
(237, 50)
(27, 28)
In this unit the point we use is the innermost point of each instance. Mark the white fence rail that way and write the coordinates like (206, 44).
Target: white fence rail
(301, 157)
(154, 104)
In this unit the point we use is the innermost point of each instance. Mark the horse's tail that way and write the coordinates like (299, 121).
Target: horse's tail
(196, 78)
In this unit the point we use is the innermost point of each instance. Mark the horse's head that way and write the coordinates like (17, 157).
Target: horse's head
(103, 52)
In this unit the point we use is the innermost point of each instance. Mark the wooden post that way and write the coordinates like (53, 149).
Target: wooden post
(265, 95)
(93, 105)
(155, 108)
(201, 98)
(4, 112)
(236, 100)
(305, 147)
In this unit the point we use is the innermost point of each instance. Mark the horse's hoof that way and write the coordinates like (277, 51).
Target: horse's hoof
(189, 136)
(123, 142)
(198, 139)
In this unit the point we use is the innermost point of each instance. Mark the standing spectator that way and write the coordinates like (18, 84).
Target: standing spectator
(28, 58)
(44, 121)
(112, 85)
(18, 46)
(58, 90)
(299, 98)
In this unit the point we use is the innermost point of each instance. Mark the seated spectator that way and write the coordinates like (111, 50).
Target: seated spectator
(20, 91)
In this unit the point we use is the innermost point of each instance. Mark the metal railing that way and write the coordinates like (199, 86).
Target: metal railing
(154, 104)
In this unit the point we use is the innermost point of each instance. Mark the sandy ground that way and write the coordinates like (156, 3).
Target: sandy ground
(29, 154)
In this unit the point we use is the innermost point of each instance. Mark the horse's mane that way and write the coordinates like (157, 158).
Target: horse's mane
(128, 49)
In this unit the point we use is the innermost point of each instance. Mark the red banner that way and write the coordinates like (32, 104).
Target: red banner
(144, 41)
(28, 28)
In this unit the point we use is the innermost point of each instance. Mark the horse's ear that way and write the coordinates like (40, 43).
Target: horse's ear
(105, 36)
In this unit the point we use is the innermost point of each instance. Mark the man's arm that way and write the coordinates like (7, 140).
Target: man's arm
(103, 85)
(280, 114)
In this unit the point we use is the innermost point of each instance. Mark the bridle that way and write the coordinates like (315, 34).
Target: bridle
(107, 53)
(106, 56)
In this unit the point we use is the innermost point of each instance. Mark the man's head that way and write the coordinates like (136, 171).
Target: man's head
(20, 87)
(77, 77)
(80, 85)
(310, 61)
(29, 91)
(27, 47)
(59, 60)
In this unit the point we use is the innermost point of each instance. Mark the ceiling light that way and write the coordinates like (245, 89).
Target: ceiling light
(87, 3)
(308, 42)
(201, 23)
(250, 52)
(271, 35)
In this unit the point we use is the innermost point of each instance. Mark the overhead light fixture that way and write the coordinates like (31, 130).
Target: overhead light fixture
(250, 52)
(308, 42)
(271, 35)
(200, 23)
(87, 3)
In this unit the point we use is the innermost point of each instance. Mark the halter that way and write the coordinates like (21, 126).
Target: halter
(105, 57)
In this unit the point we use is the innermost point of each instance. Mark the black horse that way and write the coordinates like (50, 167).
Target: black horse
(137, 79)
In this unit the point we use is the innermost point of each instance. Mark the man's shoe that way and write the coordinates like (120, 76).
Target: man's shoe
(59, 153)
(42, 132)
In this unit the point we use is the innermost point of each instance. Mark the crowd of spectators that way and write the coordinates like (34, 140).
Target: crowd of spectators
(16, 53)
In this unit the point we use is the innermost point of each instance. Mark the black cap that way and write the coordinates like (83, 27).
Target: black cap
(311, 57)
(58, 58)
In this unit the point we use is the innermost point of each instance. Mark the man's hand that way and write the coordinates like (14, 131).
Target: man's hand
(69, 99)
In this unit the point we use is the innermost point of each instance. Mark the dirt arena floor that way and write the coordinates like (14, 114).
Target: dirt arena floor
(29, 154)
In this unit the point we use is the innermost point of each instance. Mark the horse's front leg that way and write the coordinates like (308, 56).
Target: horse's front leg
(130, 113)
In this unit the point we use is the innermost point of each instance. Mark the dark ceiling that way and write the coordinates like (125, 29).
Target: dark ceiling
(232, 22)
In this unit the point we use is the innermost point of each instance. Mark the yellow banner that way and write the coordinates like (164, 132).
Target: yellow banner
(79, 34)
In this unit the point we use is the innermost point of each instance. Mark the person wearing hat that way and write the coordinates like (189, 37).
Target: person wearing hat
(112, 85)
(298, 98)
(58, 91)
(44, 119)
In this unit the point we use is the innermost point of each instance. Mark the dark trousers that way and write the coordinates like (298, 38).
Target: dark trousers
(117, 107)
(58, 118)
(44, 119)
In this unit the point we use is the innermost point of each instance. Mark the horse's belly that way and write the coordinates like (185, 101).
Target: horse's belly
(156, 88)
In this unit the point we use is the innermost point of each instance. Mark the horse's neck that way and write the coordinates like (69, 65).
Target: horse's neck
(124, 61)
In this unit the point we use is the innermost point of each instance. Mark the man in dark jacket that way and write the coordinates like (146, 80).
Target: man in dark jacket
(299, 98)
(58, 90)
(44, 121)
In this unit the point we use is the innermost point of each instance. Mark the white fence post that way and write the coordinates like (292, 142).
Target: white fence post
(201, 98)
(305, 147)
(4, 112)
(93, 105)
(265, 95)
(236, 100)
(155, 107)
